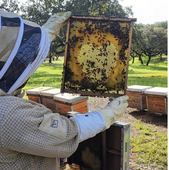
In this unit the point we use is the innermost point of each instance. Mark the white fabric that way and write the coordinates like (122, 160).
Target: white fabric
(89, 124)
(53, 124)
(10, 39)
(55, 23)
(114, 110)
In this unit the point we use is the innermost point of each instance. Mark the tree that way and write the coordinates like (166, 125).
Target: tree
(137, 42)
(155, 42)
(39, 11)
(149, 40)
(10, 6)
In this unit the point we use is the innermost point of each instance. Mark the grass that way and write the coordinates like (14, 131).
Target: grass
(155, 74)
(150, 146)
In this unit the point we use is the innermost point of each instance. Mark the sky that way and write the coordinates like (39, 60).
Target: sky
(148, 11)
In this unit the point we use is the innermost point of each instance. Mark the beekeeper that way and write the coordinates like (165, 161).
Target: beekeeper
(31, 136)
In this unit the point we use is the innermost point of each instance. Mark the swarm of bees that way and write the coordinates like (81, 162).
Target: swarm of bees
(97, 52)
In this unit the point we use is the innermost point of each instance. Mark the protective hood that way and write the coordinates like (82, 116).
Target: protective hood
(23, 47)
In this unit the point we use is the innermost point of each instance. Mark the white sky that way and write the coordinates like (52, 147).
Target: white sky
(148, 11)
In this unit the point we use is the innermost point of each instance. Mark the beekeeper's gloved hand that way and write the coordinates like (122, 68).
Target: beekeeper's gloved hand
(92, 123)
(114, 110)
(55, 23)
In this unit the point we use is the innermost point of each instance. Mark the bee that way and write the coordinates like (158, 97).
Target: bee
(80, 46)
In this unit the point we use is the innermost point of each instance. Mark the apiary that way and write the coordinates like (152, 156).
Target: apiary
(48, 100)
(137, 98)
(96, 56)
(67, 102)
(156, 99)
(34, 94)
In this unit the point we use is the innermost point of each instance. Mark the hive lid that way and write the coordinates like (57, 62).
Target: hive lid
(50, 92)
(69, 98)
(38, 90)
(157, 91)
(138, 88)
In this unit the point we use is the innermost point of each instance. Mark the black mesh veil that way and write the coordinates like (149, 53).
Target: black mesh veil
(31, 53)
(26, 54)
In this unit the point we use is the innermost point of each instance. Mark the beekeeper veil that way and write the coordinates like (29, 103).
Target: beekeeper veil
(24, 45)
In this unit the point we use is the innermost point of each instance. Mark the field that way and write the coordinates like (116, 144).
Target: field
(148, 144)
(155, 74)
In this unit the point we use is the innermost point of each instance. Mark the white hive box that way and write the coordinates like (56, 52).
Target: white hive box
(137, 98)
(34, 94)
(156, 99)
(66, 102)
(48, 100)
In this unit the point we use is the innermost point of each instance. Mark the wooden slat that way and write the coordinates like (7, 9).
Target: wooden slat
(80, 107)
(128, 56)
(34, 98)
(105, 18)
(65, 58)
(88, 93)
(49, 103)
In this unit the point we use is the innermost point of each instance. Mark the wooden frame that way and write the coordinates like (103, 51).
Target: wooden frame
(94, 76)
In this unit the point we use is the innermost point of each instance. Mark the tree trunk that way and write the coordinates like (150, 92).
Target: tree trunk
(161, 57)
(133, 60)
(149, 58)
(140, 59)
(50, 59)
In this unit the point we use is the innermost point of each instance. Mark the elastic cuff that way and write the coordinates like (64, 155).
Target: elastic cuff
(89, 124)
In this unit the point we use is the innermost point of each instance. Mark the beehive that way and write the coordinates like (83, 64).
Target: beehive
(96, 56)
(137, 98)
(48, 100)
(156, 99)
(66, 102)
(34, 94)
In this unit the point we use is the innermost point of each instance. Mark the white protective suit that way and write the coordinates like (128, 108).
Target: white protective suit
(31, 136)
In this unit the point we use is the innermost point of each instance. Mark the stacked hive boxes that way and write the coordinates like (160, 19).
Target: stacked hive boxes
(34, 94)
(156, 99)
(58, 102)
(137, 98)
(152, 99)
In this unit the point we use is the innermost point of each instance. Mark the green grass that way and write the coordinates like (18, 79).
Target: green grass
(155, 74)
(150, 146)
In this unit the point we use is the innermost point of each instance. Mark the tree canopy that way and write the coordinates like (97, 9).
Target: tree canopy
(149, 40)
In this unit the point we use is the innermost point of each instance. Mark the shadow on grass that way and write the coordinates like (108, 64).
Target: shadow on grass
(160, 68)
(158, 120)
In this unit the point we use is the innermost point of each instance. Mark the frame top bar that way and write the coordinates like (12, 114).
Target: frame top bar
(105, 18)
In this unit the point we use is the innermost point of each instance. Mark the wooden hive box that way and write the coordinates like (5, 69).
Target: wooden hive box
(34, 94)
(48, 100)
(137, 98)
(108, 150)
(67, 102)
(156, 99)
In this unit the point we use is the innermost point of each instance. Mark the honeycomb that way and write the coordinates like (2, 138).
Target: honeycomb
(97, 52)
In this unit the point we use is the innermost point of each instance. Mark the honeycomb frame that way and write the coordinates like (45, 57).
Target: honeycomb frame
(97, 56)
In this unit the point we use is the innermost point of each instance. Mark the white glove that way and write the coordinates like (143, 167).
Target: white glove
(92, 123)
(114, 110)
(55, 23)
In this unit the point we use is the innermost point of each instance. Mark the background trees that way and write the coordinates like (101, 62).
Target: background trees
(148, 40)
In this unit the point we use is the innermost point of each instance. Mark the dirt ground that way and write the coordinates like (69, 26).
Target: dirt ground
(158, 122)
